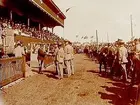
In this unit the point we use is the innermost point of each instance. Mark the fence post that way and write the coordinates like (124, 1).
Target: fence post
(24, 66)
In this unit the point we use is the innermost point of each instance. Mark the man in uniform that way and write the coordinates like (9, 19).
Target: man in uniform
(123, 54)
(60, 60)
(67, 50)
(19, 51)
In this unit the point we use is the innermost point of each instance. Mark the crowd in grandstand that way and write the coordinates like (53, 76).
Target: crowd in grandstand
(22, 29)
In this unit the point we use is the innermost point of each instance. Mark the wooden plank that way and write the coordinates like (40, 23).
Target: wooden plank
(27, 40)
(3, 60)
(11, 79)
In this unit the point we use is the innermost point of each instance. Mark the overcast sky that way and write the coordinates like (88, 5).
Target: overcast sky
(106, 16)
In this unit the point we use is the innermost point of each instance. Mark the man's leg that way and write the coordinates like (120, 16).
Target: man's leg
(40, 65)
(56, 67)
(100, 67)
(61, 70)
(68, 67)
(72, 66)
(124, 72)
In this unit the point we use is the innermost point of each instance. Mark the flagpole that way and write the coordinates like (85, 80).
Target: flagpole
(63, 33)
(131, 27)
(107, 38)
(97, 40)
(97, 37)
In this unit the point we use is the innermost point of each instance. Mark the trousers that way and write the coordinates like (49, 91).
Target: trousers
(60, 69)
(72, 66)
(68, 67)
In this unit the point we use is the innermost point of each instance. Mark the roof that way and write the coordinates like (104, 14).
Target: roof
(45, 12)
(51, 9)
(56, 7)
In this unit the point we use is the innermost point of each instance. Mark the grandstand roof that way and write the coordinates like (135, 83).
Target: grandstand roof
(45, 12)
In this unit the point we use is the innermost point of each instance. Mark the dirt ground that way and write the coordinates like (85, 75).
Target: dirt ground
(85, 87)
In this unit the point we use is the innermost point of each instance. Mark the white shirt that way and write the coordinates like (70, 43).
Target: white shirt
(18, 51)
(123, 54)
(68, 51)
(60, 55)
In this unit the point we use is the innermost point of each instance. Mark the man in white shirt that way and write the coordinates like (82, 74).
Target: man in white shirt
(68, 57)
(123, 54)
(19, 50)
(60, 60)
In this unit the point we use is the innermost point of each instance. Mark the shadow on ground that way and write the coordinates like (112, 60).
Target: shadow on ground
(119, 94)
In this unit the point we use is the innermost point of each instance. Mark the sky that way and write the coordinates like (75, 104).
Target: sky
(110, 17)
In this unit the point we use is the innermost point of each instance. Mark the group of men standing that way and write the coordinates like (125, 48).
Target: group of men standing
(118, 58)
(64, 56)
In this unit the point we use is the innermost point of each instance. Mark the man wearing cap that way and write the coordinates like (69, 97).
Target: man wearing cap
(19, 51)
(123, 54)
(68, 58)
(60, 60)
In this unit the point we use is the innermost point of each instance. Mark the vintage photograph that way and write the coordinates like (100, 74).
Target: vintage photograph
(69, 52)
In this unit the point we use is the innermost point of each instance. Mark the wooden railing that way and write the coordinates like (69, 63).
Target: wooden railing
(11, 69)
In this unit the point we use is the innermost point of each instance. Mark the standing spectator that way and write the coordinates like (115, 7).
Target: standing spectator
(60, 59)
(68, 51)
(19, 51)
(123, 54)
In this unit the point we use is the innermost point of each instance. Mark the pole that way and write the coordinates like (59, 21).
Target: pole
(97, 37)
(11, 15)
(63, 33)
(97, 40)
(107, 38)
(52, 30)
(131, 27)
(28, 22)
(39, 27)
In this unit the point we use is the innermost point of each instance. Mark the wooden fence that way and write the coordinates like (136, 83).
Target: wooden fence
(11, 69)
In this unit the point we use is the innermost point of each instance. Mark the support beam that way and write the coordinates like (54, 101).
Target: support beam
(39, 27)
(28, 22)
(52, 29)
(11, 15)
